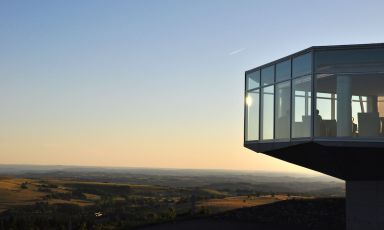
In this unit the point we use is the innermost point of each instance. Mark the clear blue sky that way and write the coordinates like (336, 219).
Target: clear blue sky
(151, 83)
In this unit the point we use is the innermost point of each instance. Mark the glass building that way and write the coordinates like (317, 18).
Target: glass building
(323, 108)
(333, 92)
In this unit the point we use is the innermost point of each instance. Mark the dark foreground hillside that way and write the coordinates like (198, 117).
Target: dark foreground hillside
(316, 214)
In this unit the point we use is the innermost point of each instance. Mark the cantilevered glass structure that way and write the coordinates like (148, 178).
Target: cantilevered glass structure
(323, 108)
(348, 103)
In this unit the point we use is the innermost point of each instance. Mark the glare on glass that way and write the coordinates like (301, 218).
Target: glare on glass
(252, 116)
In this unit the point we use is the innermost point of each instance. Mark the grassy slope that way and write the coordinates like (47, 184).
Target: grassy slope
(12, 194)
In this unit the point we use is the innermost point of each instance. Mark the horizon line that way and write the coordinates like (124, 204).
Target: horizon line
(160, 168)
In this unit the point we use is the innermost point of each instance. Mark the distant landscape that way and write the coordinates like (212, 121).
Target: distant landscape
(69, 197)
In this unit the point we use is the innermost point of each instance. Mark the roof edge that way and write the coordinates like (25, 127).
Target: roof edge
(319, 48)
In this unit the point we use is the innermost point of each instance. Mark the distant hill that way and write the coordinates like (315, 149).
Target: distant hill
(230, 181)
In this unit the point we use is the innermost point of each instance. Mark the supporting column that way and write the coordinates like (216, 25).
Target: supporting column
(365, 205)
(372, 104)
(344, 107)
(333, 107)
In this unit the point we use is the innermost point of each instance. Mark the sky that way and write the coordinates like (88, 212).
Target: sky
(145, 83)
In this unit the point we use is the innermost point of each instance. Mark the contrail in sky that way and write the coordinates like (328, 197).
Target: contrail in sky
(236, 51)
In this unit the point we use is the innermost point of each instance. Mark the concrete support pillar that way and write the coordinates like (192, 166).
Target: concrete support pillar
(365, 205)
(344, 106)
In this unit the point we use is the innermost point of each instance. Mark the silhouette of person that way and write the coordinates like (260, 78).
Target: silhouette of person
(319, 129)
(317, 115)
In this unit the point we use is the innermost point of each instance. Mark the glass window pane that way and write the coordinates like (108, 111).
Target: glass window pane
(302, 65)
(326, 103)
(282, 110)
(267, 113)
(301, 104)
(252, 116)
(350, 105)
(267, 75)
(253, 80)
(350, 61)
(283, 70)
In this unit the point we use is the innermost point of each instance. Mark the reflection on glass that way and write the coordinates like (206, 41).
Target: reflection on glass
(301, 104)
(267, 75)
(302, 65)
(253, 80)
(252, 116)
(267, 113)
(282, 110)
(283, 70)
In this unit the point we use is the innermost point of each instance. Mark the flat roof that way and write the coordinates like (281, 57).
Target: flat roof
(319, 48)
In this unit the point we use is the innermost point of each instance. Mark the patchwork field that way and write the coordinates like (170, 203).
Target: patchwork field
(21, 191)
(128, 199)
(12, 193)
(230, 203)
